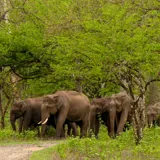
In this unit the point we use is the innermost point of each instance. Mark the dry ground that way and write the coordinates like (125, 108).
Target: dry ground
(22, 151)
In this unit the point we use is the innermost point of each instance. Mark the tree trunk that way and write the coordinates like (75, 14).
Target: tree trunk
(139, 118)
(2, 122)
(1, 110)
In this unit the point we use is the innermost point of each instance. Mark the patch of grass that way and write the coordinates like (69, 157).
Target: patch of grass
(48, 153)
(45, 154)
(9, 137)
(105, 148)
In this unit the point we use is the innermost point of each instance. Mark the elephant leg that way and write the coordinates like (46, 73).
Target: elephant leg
(69, 130)
(118, 115)
(112, 118)
(106, 120)
(26, 121)
(84, 126)
(92, 124)
(123, 120)
(97, 125)
(60, 122)
(83, 129)
(63, 132)
(73, 126)
(38, 130)
(148, 120)
(20, 124)
(158, 122)
(75, 130)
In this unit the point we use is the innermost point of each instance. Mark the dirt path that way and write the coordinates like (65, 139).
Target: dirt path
(22, 151)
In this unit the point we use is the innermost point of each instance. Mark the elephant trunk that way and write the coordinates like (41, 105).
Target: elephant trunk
(44, 118)
(12, 120)
(44, 114)
(43, 128)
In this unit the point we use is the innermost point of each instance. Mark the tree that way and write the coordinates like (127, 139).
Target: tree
(98, 46)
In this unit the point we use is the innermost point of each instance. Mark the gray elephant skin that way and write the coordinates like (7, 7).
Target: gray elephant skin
(67, 105)
(29, 112)
(113, 110)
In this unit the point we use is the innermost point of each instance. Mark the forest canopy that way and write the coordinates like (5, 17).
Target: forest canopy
(54, 45)
(97, 47)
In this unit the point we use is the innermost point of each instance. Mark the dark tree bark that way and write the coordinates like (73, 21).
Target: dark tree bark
(139, 118)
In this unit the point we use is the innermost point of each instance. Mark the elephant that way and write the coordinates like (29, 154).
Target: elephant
(29, 113)
(98, 112)
(153, 114)
(67, 105)
(113, 110)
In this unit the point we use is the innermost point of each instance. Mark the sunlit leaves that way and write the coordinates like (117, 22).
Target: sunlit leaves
(90, 39)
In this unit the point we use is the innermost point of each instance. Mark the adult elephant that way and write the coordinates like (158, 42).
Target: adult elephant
(114, 111)
(153, 114)
(29, 113)
(67, 105)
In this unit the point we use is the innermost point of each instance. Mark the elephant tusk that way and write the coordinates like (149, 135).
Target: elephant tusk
(45, 121)
(40, 122)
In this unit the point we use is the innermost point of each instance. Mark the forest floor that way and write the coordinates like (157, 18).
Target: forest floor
(23, 151)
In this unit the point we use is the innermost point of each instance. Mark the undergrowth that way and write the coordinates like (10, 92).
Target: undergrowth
(104, 148)
(9, 135)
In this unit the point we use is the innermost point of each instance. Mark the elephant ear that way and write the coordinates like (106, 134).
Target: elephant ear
(22, 106)
(95, 105)
(57, 101)
(117, 100)
(46, 100)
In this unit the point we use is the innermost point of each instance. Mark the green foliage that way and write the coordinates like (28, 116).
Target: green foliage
(123, 147)
(8, 135)
(59, 42)
(52, 45)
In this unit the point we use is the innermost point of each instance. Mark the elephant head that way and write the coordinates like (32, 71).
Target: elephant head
(51, 104)
(17, 111)
(121, 100)
(153, 113)
(100, 105)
